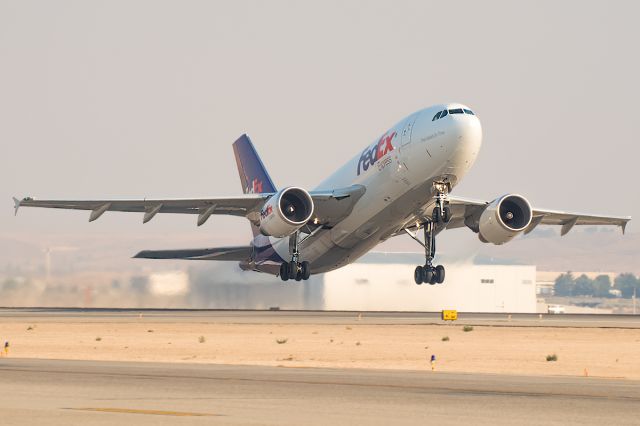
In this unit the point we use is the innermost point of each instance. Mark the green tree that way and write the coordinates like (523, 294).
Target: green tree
(583, 286)
(626, 283)
(564, 285)
(601, 286)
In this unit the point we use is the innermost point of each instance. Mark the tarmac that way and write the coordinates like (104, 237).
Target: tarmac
(320, 317)
(104, 393)
(64, 392)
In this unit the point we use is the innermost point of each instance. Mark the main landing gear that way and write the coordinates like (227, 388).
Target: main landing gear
(295, 269)
(429, 273)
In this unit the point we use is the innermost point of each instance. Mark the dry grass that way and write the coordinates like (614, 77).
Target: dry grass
(501, 350)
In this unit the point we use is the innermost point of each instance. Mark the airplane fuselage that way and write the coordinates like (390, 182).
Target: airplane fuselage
(398, 171)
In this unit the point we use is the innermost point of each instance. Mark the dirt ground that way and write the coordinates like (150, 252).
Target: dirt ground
(503, 350)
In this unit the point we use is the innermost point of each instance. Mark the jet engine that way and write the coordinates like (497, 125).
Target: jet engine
(504, 218)
(285, 212)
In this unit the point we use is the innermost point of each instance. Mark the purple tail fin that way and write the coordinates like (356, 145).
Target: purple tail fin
(253, 175)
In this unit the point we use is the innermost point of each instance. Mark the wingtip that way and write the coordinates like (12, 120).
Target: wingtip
(16, 206)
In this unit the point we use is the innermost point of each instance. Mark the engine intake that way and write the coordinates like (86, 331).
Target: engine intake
(504, 218)
(285, 212)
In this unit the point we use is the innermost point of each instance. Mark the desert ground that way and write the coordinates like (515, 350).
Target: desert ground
(522, 350)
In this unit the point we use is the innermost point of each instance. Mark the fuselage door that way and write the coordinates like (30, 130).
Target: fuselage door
(401, 172)
(406, 130)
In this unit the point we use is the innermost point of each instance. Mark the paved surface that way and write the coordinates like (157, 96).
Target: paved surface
(319, 317)
(104, 393)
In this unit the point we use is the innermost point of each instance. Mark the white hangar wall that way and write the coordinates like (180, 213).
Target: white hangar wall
(467, 288)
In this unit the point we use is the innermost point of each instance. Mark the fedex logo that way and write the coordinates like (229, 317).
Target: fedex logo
(377, 151)
(266, 212)
(255, 188)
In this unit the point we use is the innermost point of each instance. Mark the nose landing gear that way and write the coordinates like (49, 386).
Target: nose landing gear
(441, 212)
(295, 269)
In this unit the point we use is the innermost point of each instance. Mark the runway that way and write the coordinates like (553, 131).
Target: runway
(103, 393)
(320, 317)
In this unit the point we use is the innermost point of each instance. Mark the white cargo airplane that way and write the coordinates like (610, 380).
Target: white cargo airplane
(400, 184)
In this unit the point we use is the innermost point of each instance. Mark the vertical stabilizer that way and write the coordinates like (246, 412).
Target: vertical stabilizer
(253, 175)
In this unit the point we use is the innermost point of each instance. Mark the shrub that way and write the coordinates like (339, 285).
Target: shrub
(98, 339)
(467, 328)
(552, 357)
(445, 339)
(281, 341)
(201, 339)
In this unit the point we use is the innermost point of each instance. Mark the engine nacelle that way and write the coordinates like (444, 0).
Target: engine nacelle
(504, 218)
(285, 212)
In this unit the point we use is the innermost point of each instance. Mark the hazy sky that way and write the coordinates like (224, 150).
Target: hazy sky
(144, 98)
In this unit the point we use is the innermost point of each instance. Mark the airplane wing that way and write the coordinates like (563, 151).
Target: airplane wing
(331, 206)
(465, 209)
(219, 253)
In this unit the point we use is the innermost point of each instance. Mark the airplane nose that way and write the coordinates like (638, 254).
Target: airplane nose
(466, 138)
(467, 131)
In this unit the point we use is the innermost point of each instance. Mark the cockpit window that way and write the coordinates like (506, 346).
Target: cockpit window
(444, 113)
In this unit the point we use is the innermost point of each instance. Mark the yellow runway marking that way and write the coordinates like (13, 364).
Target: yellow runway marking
(149, 412)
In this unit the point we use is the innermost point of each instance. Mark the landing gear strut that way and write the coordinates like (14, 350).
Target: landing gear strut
(441, 214)
(295, 269)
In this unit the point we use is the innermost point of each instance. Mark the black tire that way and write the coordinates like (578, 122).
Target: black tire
(306, 270)
(299, 276)
(436, 215)
(427, 277)
(434, 278)
(440, 274)
(418, 275)
(284, 271)
(293, 270)
(446, 217)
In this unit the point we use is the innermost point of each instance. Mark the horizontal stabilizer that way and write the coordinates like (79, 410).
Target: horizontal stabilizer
(219, 253)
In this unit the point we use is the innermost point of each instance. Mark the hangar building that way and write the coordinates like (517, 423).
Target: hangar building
(384, 282)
